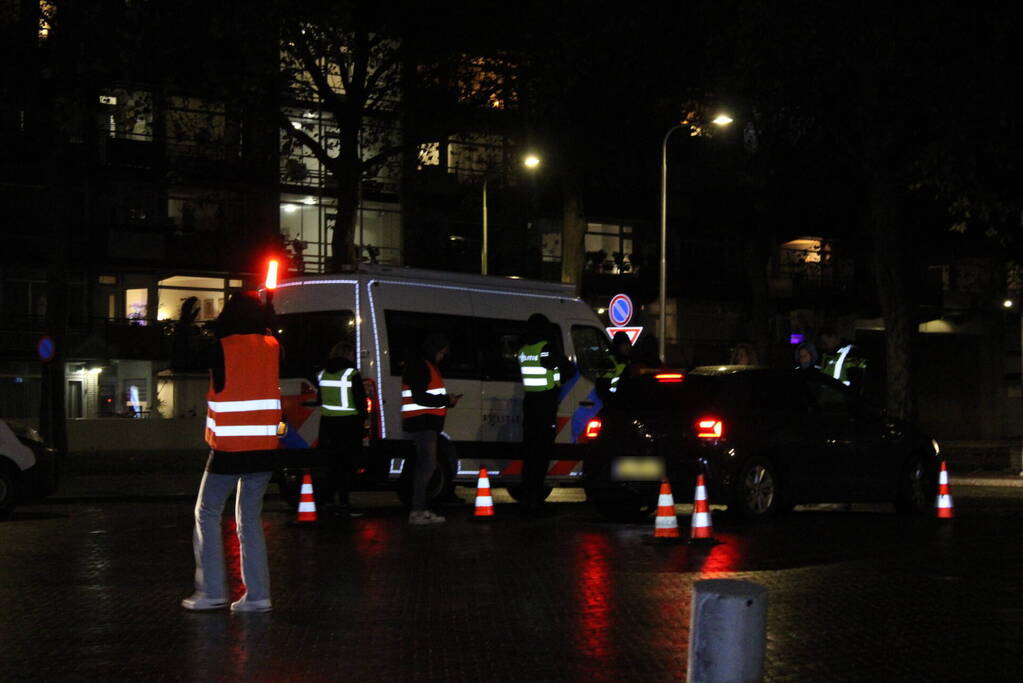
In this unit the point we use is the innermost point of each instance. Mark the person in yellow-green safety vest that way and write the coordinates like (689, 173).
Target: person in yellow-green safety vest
(343, 413)
(842, 361)
(543, 369)
(622, 360)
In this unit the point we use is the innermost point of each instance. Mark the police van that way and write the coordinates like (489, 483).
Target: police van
(386, 312)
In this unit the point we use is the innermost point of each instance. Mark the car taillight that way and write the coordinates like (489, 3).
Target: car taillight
(369, 405)
(592, 430)
(670, 377)
(710, 428)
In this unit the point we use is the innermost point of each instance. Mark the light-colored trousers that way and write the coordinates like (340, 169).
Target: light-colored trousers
(208, 542)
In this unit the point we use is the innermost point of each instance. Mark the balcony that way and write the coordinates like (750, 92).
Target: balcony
(95, 338)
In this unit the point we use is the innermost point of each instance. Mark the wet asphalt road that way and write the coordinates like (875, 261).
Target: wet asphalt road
(90, 583)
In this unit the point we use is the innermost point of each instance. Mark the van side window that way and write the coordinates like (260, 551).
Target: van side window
(307, 338)
(500, 341)
(592, 351)
(406, 331)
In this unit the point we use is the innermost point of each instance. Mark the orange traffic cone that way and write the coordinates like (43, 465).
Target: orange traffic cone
(306, 504)
(666, 524)
(943, 504)
(484, 501)
(701, 530)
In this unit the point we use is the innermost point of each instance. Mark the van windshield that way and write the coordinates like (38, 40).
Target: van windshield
(307, 338)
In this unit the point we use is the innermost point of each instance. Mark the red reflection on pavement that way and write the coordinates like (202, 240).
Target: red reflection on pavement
(372, 536)
(594, 599)
(232, 558)
(724, 557)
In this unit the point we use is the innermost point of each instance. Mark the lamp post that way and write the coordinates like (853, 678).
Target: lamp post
(719, 120)
(531, 162)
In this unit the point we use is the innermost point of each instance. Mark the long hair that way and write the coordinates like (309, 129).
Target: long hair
(243, 314)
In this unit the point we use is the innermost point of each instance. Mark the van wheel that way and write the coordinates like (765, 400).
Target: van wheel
(516, 492)
(441, 484)
(8, 492)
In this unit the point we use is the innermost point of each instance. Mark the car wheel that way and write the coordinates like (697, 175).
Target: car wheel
(8, 492)
(516, 493)
(757, 493)
(631, 507)
(916, 487)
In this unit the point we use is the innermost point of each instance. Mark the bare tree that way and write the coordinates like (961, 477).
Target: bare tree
(379, 92)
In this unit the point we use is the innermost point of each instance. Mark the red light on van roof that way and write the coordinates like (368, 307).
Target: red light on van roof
(710, 428)
(593, 427)
(669, 377)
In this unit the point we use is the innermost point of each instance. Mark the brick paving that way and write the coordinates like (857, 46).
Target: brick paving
(90, 586)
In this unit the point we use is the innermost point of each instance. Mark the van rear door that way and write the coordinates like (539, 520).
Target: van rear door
(307, 339)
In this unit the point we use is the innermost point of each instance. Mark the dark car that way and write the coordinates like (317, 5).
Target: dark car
(29, 469)
(765, 440)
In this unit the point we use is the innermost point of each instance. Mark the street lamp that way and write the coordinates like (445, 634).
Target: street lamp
(719, 120)
(530, 162)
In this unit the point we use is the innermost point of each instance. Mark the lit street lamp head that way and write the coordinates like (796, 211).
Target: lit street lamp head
(531, 161)
(722, 120)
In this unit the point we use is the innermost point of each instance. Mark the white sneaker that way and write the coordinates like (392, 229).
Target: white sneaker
(246, 605)
(199, 603)
(424, 517)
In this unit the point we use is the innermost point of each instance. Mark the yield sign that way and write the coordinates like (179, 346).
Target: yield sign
(632, 332)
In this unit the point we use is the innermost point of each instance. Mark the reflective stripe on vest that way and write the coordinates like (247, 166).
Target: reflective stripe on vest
(410, 408)
(245, 414)
(616, 376)
(535, 377)
(837, 364)
(337, 394)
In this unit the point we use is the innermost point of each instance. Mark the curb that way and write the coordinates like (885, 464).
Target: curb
(1007, 480)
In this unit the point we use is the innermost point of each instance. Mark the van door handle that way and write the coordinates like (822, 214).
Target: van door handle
(586, 404)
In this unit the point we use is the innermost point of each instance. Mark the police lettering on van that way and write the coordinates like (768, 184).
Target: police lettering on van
(386, 313)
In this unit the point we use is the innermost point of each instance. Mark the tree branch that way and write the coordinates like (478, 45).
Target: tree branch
(308, 141)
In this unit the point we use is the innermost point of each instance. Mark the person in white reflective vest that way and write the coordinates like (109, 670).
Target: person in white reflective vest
(424, 405)
(343, 413)
(543, 370)
(842, 360)
(243, 417)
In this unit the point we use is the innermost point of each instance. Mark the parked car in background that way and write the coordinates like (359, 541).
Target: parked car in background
(765, 440)
(28, 467)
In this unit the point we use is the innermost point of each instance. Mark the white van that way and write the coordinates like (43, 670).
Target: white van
(387, 312)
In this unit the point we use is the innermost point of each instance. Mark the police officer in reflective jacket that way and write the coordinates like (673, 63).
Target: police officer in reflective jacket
(843, 361)
(342, 420)
(543, 370)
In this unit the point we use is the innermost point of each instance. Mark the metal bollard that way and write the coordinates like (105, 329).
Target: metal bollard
(727, 631)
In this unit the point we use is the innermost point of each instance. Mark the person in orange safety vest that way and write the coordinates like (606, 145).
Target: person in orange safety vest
(242, 419)
(424, 404)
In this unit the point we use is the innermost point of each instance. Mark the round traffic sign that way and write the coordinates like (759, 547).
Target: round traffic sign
(45, 348)
(620, 310)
